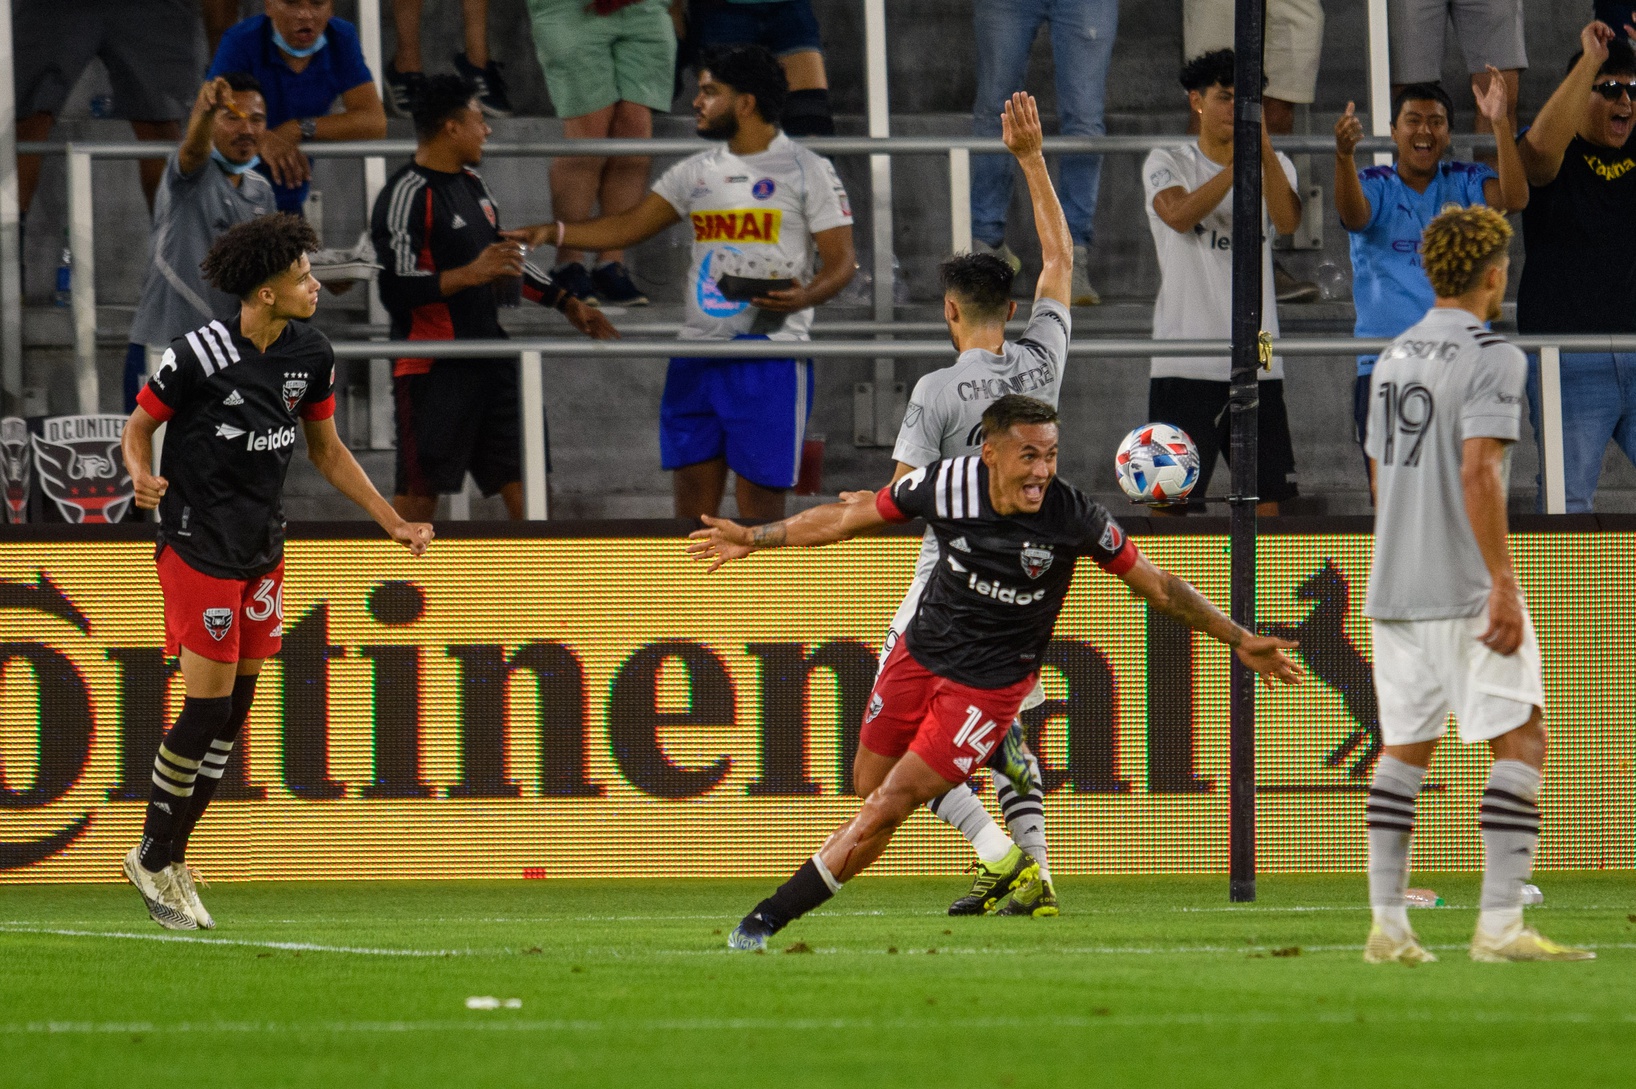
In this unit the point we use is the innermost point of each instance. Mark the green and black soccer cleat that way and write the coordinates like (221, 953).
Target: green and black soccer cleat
(1011, 759)
(1036, 898)
(994, 881)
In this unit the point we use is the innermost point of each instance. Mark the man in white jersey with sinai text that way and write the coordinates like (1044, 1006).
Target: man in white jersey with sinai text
(944, 420)
(772, 238)
(1450, 627)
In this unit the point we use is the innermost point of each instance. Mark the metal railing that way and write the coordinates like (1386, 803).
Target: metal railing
(531, 354)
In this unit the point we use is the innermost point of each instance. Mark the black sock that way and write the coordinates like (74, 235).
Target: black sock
(214, 763)
(806, 889)
(806, 113)
(174, 770)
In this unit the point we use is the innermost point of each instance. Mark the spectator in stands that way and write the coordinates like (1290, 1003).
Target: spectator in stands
(304, 58)
(1190, 213)
(404, 72)
(209, 185)
(1387, 208)
(1490, 36)
(765, 212)
(1082, 33)
(790, 30)
(1580, 233)
(148, 49)
(1294, 39)
(608, 65)
(445, 267)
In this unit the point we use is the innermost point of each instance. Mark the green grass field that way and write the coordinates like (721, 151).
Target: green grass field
(1153, 981)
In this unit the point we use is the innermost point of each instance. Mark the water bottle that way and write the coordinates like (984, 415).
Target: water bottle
(900, 286)
(64, 293)
(1332, 285)
(1531, 895)
(1422, 898)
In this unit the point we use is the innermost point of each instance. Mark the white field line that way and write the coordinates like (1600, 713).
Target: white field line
(494, 1022)
(188, 939)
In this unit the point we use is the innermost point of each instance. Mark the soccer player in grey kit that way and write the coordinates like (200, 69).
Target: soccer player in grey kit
(1450, 627)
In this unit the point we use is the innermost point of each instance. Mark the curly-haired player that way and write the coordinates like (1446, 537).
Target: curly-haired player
(1450, 626)
(231, 394)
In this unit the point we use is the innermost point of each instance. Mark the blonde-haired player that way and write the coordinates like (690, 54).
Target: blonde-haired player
(1451, 630)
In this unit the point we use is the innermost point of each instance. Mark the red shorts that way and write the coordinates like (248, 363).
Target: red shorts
(951, 726)
(225, 620)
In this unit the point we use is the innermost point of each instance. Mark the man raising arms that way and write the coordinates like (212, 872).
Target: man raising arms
(231, 393)
(973, 649)
(944, 420)
(1450, 627)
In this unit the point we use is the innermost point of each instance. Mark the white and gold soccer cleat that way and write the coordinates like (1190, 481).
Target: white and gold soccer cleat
(1385, 948)
(1520, 942)
(159, 892)
(182, 876)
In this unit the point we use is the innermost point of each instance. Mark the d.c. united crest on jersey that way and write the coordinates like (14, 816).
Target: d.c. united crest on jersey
(294, 390)
(1036, 560)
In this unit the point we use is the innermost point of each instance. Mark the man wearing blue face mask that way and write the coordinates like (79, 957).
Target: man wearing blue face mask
(305, 59)
(210, 184)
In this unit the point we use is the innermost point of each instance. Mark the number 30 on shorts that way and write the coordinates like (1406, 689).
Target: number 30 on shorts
(266, 601)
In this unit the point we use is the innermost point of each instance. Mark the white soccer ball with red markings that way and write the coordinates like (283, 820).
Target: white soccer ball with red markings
(1157, 464)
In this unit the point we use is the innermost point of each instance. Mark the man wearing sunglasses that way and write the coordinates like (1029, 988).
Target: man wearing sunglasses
(1580, 232)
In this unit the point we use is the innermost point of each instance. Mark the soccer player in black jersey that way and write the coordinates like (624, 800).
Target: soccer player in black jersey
(231, 394)
(1010, 534)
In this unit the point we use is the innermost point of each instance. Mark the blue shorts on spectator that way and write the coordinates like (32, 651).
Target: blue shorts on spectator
(753, 412)
(784, 28)
(1598, 404)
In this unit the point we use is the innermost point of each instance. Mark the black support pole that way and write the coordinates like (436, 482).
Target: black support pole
(1244, 408)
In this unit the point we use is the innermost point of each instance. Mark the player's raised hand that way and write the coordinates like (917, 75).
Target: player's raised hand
(1491, 102)
(149, 490)
(719, 542)
(1265, 654)
(1505, 626)
(415, 536)
(1349, 131)
(1020, 125)
(589, 320)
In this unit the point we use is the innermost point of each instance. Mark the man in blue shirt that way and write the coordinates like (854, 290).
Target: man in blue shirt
(304, 59)
(1386, 208)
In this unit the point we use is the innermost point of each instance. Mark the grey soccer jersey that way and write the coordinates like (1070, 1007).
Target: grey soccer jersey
(1444, 381)
(945, 414)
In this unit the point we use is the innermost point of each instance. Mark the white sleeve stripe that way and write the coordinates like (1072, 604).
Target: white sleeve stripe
(226, 338)
(397, 223)
(208, 336)
(199, 353)
(973, 497)
(941, 495)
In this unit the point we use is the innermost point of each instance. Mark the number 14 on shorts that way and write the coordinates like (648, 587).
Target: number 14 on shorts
(975, 734)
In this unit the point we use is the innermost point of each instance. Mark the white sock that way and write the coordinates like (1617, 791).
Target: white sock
(1389, 814)
(1509, 818)
(1496, 921)
(1393, 920)
(962, 809)
(1025, 816)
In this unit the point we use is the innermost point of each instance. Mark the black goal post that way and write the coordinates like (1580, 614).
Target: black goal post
(1243, 414)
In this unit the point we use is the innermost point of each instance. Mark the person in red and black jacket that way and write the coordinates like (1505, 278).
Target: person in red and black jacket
(445, 266)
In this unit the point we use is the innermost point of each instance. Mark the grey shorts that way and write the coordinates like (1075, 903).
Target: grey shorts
(1488, 32)
(1289, 55)
(152, 51)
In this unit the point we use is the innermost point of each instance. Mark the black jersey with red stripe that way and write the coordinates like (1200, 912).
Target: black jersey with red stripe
(231, 412)
(988, 611)
(428, 222)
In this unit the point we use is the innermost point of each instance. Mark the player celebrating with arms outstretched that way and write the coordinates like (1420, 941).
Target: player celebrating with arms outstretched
(231, 394)
(1450, 627)
(956, 678)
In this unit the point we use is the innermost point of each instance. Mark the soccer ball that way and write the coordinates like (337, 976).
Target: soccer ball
(1157, 464)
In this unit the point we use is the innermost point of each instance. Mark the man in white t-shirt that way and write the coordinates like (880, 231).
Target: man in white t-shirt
(1190, 212)
(763, 210)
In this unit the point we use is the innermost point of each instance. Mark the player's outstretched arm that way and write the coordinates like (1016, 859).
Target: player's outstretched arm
(136, 445)
(1021, 131)
(332, 458)
(644, 221)
(1178, 598)
(723, 540)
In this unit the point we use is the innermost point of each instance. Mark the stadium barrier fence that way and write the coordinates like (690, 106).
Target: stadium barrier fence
(568, 700)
